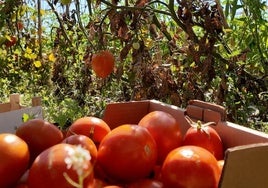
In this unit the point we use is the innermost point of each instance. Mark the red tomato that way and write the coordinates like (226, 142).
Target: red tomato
(204, 136)
(11, 41)
(39, 135)
(127, 153)
(103, 63)
(221, 164)
(83, 141)
(165, 130)
(190, 166)
(145, 183)
(93, 127)
(14, 159)
(52, 167)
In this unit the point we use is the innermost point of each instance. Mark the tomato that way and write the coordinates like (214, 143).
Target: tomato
(221, 164)
(23, 181)
(145, 183)
(204, 136)
(11, 41)
(127, 153)
(190, 166)
(39, 135)
(165, 130)
(53, 166)
(20, 25)
(83, 141)
(65, 2)
(93, 127)
(103, 63)
(14, 159)
(96, 183)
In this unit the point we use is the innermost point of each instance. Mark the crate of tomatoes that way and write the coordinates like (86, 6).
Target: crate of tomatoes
(138, 144)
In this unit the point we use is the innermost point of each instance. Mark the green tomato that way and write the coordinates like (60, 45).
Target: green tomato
(65, 2)
(136, 45)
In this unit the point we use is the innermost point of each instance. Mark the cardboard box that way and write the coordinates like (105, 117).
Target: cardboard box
(11, 113)
(246, 156)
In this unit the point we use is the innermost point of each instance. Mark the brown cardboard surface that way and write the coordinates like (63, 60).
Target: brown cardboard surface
(117, 114)
(246, 167)
(247, 150)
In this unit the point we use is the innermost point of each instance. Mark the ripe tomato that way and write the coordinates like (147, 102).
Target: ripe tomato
(204, 136)
(145, 183)
(11, 41)
(190, 166)
(221, 164)
(93, 127)
(23, 181)
(39, 135)
(103, 63)
(127, 153)
(20, 25)
(14, 159)
(83, 141)
(53, 166)
(165, 130)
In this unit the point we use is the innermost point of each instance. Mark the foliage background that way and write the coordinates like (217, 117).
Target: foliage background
(172, 51)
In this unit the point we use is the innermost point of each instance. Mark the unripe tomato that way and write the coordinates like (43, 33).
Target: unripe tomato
(14, 159)
(190, 166)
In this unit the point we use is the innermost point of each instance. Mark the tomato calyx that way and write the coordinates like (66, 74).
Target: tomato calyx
(199, 126)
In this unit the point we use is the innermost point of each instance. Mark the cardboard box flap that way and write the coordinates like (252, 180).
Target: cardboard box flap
(205, 111)
(246, 167)
(116, 114)
(9, 121)
(234, 135)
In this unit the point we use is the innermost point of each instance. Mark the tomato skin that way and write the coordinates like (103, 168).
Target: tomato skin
(146, 183)
(93, 127)
(85, 142)
(165, 130)
(47, 171)
(103, 63)
(127, 153)
(14, 159)
(39, 135)
(190, 166)
(205, 137)
(11, 42)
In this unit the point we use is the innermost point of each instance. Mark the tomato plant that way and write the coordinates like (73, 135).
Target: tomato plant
(103, 63)
(205, 136)
(62, 165)
(93, 127)
(190, 166)
(39, 135)
(127, 153)
(165, 130)
(14, 159)
(83, 141)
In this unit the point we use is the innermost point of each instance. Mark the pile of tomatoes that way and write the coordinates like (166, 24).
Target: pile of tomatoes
(150, 154)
